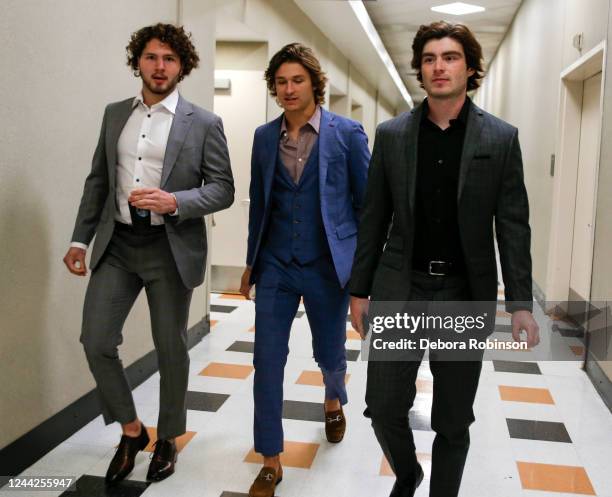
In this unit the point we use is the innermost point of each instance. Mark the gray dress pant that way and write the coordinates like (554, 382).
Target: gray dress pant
(390, 394)
(133, 261)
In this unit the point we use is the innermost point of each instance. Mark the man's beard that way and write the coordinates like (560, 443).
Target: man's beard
(166, 89)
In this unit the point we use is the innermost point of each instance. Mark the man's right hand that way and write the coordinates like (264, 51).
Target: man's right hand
(359, 309)
(75, 261)
(245, 285)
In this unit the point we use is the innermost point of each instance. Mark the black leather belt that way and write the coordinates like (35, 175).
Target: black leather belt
(149, 230)
(439, 268)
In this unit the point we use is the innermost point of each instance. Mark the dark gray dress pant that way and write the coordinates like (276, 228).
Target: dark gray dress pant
(133, 261)
(390, 393)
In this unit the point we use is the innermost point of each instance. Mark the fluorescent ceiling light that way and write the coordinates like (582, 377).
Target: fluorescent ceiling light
(458, 8)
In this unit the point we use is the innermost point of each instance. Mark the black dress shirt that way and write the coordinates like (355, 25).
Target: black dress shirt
(436, 224)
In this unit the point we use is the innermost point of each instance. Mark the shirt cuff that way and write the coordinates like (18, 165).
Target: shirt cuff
(176, 212)
(79, 245)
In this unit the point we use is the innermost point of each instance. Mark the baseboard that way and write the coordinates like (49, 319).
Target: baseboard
(538, 294)
(600, 381)
(29, 448)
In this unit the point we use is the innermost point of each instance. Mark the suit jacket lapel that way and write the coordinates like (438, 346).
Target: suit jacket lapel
(327, 146)
(181, 123)
(409, 153)
(270, 155)
(470, 144)
(114, 129)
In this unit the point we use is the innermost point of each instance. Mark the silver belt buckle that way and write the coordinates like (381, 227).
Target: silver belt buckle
(431, 272)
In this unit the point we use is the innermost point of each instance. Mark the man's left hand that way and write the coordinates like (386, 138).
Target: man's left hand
(153, 199)
(523, 320)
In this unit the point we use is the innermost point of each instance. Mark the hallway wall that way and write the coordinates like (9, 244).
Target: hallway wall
(522, 87)
(63, 62)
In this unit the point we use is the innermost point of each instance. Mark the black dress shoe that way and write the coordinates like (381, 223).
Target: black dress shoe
(408, 490)
(123, 460)
(162, 464)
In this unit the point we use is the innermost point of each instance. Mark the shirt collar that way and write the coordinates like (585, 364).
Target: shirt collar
(170, 102)
(314, 121)
(463, 113)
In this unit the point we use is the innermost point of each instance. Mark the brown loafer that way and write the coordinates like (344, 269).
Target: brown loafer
(266, 481)
(335, 426)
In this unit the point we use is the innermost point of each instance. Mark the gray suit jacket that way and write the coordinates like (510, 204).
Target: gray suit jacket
(196, 169)
(491, 190)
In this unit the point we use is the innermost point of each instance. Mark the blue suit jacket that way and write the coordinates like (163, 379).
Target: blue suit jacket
(343, 169)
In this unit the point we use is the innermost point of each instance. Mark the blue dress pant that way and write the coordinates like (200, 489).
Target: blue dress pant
(279, 287)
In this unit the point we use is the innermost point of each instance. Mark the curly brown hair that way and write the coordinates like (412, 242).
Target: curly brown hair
(459, 33)
(296, 52)
(175, 36)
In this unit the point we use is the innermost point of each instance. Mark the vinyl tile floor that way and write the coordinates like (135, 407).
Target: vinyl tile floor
(541, 429)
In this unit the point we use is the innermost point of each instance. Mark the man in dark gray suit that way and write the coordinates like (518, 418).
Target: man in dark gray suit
(161, 164)
(441, 175)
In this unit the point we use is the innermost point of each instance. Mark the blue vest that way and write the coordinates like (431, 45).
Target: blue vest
(295, 230)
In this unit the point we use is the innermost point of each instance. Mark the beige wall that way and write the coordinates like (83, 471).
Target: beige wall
(522, 87)
(279, 22)
(67, 61)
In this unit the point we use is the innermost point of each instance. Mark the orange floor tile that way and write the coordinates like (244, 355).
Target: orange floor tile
(295, 455)
(352, 335)
(223, 370)
(232, 296)
(181, 441)
(578, 350)
(525, 394)
(424, 460)
(213, 322)
(314, 378)
(554, 478)
(424, 386)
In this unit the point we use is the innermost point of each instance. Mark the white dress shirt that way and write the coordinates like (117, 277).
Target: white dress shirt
(140, 153)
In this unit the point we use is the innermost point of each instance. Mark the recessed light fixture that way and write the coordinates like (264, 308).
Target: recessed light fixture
(458, 8)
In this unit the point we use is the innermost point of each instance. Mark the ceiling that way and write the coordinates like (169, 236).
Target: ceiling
(397, 22)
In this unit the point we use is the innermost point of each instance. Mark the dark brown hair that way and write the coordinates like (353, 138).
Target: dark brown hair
(296, 52)
(459, 33)
(175, 36)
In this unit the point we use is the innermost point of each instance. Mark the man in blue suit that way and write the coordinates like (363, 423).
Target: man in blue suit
(308, 179)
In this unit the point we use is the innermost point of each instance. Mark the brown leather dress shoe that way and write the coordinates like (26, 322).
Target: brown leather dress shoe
(335, 425)
(123, 460)
(266, 481)
(162, 463)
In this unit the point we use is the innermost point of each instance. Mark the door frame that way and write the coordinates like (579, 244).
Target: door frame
(567, 151)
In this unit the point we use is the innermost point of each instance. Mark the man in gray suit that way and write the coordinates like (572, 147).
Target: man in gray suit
(441, 175)
(161, 164)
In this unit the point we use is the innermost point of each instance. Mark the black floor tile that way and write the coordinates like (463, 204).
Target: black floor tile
(240, 346)
(352, 355)
(545, 431)
(303, 411)
(222, 308)
(95, 486)
(205, 401)
(516, 367)
(419, 421)
(568, 332)
(233, 494)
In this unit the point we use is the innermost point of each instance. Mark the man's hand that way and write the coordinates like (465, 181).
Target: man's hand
(75, 261)
(523, 320)
(359, 309)
(153, 199)
(245, 285)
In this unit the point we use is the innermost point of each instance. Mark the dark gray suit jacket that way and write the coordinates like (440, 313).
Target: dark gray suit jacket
(196, 169)
(491, 191)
